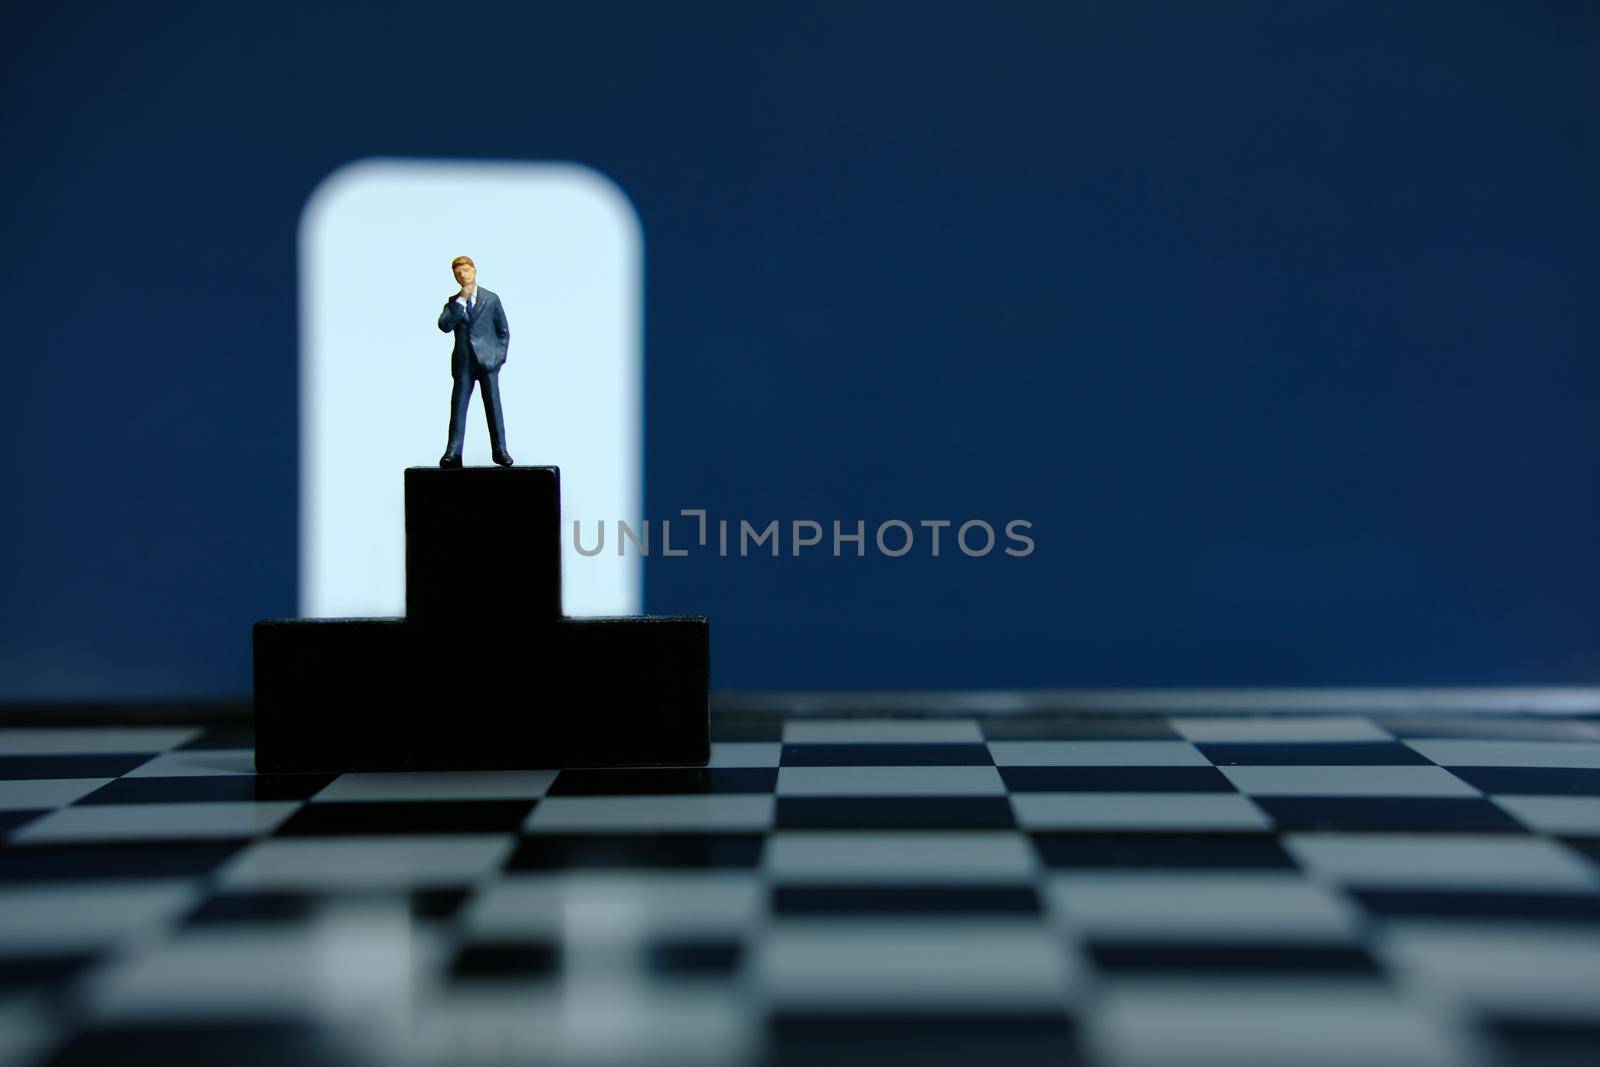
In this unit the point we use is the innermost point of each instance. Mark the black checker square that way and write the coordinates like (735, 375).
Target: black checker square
(1438, 814)
(1311, 754)
(664, 781)
(894, 813)
(1532, 781)
(1147, 958)
(695, 957)
(746, 729)
(244, 1040)
(268, 908)
(1585, 846)
(230, 737)
(1157, 852)
(1550, 1042)
(37, 971)
(1116, 780)
(24, 768)
(16, 820)
(363, 818)
(844, 900)
(114, 860)
(636, 852)
(1078, 728)
(506, 960)
(439, 903)
(1481, 904)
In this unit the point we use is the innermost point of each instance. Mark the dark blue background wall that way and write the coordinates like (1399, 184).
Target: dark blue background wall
(1278, 321)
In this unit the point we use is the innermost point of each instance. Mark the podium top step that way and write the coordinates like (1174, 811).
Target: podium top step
(457, 472)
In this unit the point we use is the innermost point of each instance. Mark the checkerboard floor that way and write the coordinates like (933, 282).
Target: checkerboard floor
(1072, 889)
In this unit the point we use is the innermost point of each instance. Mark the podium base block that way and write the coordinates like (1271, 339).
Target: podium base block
(395, 695)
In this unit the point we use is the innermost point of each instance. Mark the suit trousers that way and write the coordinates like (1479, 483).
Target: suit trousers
(461, 399)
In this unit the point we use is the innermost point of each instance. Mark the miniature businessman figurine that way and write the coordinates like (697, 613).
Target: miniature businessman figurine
(475, 316)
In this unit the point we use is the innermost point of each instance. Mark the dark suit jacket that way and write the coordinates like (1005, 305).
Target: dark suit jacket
(482, 340)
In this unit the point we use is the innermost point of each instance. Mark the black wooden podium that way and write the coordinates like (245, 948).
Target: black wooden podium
(484, 671)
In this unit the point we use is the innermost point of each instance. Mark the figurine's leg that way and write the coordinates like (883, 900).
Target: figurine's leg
(491, 413)
(460, 400)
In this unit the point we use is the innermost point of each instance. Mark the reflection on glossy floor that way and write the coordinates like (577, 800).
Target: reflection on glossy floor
(1105, 890)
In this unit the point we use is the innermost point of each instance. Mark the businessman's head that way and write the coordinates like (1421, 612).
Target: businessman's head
(465, 271)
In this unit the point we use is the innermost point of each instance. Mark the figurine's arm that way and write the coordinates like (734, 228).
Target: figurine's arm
(501, 327)
(450, 316)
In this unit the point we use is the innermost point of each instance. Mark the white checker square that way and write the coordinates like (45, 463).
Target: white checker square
(214, 974)
(1573, 816)
(62, 917)
(438, 785)
(975, 857)
(745, 754)
(30, 1028)
(1206, 1023)
(618, 907)
(1096, 754)
(92, 740)
(1523, 970)
(1457, 752)
(1434, 861)
(390, 864)
(29, 794)
(631, 814)
(1290, 729)
(881, 731)
(1200, 906)
(1358, 781)
(593, 1019)
(889, 781)
(157, 822)
(860, 966)
(1137, 811)
(197, 763)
